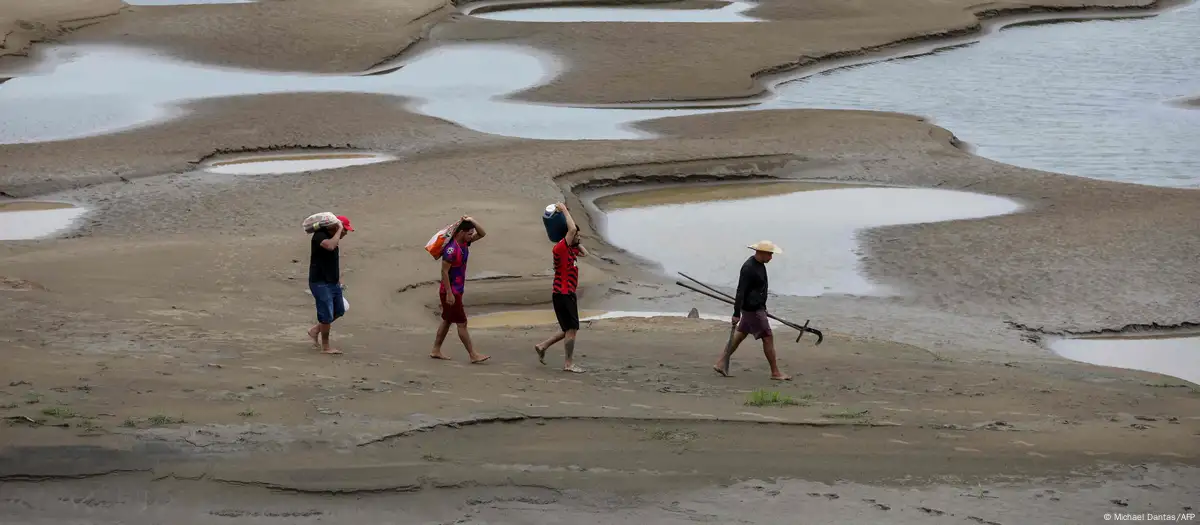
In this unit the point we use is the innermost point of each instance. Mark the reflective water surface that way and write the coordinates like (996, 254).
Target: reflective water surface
(95, 90)
(1090, 98)
(1080, 98)
(293, 163)
(1171, 356)
(731, 13)
(817, 230)
(22, 220)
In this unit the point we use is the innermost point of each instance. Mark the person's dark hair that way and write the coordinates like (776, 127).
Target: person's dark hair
(464, 226)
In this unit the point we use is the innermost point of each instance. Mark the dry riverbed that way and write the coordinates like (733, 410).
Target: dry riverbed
(159, 346)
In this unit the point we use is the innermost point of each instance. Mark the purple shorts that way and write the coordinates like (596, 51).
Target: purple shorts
(755, 323)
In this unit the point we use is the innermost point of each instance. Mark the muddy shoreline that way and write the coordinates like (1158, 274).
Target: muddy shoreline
(166, 335)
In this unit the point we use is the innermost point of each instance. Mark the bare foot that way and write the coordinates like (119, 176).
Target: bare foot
(573, 368)
(541, 354)
(313, 333)
(480, 359)
(439, 355)
(331, 351)
(718, 370)
(781, 377)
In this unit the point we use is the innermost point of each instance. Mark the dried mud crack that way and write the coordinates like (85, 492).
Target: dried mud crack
(59, 477)
(1129, 329)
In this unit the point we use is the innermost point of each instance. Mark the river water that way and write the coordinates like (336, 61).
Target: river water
(1094, 99)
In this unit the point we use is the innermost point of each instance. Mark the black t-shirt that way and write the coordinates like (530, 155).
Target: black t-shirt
(752, 288)
(323, 264)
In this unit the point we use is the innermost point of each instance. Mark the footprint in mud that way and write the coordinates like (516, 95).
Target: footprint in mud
(877, 505)
(88, 502)
(827, 495)
(932, 512)
(12, 284)
(531, 500)
(18, 502)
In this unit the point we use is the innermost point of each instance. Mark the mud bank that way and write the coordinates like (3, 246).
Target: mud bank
(23, 24)
(292, 36)
(649, 422)
(1153, 489)
(207, 359)
(744, 62)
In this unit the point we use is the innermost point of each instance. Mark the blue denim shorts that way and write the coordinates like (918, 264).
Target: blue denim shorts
(329, 301)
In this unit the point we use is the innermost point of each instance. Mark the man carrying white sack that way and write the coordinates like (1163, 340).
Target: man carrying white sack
(325, 281)
(750, 310)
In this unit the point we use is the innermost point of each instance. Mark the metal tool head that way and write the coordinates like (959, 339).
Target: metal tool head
(814, 331)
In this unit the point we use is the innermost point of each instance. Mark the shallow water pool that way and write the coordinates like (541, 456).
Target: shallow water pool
(92, 90)
(23, 220)
(1091, 98)
(275, 164)
(1175, 356)
(705, 231)
(731, 13)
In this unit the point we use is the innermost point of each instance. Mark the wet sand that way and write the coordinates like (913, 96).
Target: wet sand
(648, 422)
(170, 324)
(24, 23)
(31, 206)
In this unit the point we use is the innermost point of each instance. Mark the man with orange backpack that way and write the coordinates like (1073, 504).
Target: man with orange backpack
(454, 254)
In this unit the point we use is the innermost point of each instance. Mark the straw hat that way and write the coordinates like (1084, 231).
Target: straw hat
(765, 246)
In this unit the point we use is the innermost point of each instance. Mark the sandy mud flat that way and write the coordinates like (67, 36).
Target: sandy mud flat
(157, 367)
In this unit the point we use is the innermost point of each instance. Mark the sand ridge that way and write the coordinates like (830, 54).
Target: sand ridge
(611, 62)
(296, 35)
(24, 23)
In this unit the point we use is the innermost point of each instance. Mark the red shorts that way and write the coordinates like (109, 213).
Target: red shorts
(453, 313)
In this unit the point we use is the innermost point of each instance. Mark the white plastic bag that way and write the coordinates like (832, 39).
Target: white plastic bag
(317, 221)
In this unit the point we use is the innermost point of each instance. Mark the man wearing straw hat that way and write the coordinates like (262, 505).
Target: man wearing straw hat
(750, 310)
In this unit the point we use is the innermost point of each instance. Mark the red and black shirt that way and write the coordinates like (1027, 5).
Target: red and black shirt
(566, 272)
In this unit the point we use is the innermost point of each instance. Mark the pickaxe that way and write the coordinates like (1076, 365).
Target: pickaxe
(724, 297)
